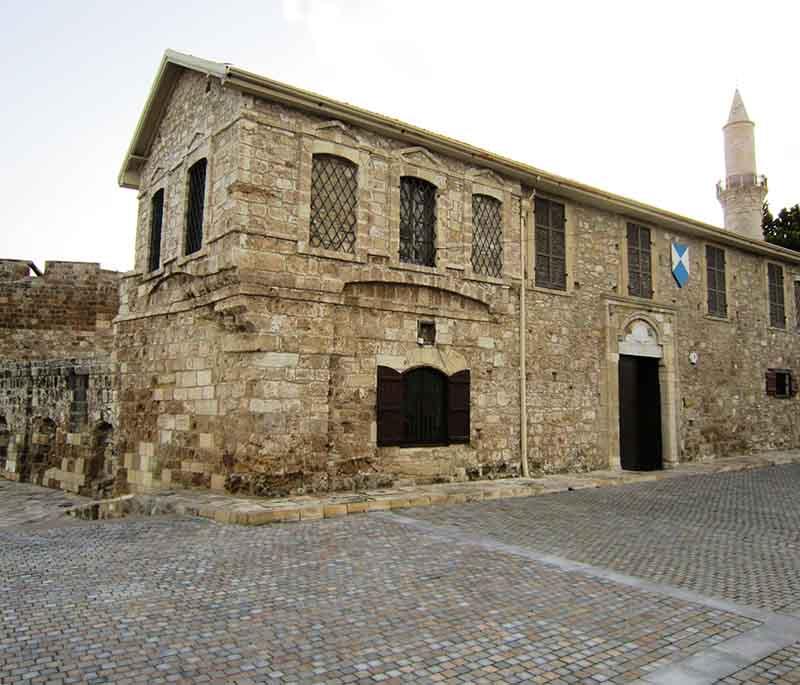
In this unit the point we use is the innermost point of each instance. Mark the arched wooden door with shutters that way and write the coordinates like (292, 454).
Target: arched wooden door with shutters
(422, 406)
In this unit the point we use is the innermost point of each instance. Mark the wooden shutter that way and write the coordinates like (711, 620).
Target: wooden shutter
(772, 382)
(390, 417)
(458, 407)
(792, 385)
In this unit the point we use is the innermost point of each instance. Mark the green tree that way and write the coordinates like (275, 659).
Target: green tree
(784, 229)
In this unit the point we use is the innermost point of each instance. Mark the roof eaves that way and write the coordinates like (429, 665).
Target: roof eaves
(158, 97)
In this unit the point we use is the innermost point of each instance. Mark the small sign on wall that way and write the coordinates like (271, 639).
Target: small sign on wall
(680, 264)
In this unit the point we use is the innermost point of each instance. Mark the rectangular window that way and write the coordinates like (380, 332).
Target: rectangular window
(780, 383)
(156, 221)
(777, 312)
(640, 275)
(196, 206)
(550, 244)
(715, 276)
(487, 236)
(417, 221)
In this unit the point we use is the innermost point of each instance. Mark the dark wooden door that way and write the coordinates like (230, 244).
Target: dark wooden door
(639, 413)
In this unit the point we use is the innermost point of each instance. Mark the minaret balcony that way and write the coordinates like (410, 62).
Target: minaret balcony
(741, 181)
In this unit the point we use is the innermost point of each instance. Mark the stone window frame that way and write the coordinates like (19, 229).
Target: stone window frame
(730, 270)
(438, 178)
(785, 327)
(570, 245)
(504, 196)
(361, 159)
(657, 243)
(203, 151)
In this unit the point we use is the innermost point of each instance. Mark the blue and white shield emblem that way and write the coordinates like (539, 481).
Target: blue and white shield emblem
(680, 264)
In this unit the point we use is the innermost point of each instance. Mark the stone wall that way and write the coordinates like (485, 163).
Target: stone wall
(57, 375)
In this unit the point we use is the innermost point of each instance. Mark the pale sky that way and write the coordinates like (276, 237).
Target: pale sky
(626, 96)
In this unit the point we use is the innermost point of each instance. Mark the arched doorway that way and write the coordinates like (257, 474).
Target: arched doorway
(640, 430)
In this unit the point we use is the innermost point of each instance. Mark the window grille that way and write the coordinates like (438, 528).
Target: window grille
(417, 221)
(487, 236)
(156, 221)
(334, 196)
(777, 312)
(640, 278)
(550, 244)
(715, 277)
(196, 205)
(797, 305)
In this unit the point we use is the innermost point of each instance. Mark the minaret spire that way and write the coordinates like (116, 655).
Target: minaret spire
(742, 192)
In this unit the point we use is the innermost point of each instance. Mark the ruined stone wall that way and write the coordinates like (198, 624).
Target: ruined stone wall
(65, 312)
(57, 378)
(252, 364)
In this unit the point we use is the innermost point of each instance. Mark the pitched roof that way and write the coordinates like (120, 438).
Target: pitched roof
(231, 76)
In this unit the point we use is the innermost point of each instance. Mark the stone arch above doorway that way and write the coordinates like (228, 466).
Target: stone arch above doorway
(640, 339)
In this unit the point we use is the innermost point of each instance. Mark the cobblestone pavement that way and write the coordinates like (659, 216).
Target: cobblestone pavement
(730, 535)
(22, 504)
(781, 667)
(383, 598)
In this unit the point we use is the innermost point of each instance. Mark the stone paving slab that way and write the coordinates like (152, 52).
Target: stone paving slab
(225, 508)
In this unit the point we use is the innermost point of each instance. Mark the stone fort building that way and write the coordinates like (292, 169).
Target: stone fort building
(326, 298)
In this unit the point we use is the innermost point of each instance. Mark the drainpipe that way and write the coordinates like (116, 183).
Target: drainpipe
(523, 389)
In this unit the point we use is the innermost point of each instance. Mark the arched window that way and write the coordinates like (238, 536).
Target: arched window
(195, 207)
(487, 236)
(334, 197)
(417, 221)
(422, 406)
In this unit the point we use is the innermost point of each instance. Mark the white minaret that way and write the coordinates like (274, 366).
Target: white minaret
(742, 192)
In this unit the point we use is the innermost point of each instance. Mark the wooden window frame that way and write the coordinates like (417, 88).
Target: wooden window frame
(716, 284)
(636, 247)
(392, 412)
(780, 384)
(545, 230)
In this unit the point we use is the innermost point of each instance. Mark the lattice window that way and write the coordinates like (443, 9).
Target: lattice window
(640, 276)
(196, 206)
(417, 221)
(334, 197)
(156, 221)
(487, 235)
(550, 244)
(777, 311)
(715, 276)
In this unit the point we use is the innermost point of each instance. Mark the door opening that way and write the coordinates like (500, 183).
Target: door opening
(639, 413)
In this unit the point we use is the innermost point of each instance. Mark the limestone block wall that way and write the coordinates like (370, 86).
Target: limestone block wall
(67, 311)
(57, 375)
(251, 365)
(59, 416)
